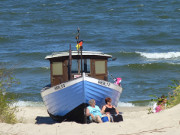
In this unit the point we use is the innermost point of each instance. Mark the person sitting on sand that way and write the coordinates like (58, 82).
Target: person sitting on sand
(111, 110)
(94, 111)
(161, 105)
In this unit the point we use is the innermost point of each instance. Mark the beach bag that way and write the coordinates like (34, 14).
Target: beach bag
(104, 119)
(117, 118)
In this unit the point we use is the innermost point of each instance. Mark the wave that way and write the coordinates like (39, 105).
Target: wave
(145, 66)
(25, 54)
(125, 104)
(136, 103)
(125, 54)
(41, 104)
(28, 104)
(154, 66)
(34, 70)
(32, 54)
(166, 55)
(148, 55)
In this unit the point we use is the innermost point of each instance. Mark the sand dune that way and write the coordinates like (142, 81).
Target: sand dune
(36, 121)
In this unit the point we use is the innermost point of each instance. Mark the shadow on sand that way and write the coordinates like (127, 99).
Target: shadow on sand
(45, 120)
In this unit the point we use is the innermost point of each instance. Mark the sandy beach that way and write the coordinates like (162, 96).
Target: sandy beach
(36, 121)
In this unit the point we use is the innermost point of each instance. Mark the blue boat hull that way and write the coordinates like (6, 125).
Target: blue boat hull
(67, 99)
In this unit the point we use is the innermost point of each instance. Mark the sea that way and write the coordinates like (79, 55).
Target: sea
(142, 35)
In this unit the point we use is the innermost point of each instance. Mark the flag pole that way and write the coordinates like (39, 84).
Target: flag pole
(81, 59)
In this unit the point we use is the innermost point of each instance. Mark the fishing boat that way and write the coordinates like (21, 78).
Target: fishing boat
(77, 77)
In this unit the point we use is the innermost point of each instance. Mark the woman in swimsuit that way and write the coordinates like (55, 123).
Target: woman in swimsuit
(111, 111)
(109, 108)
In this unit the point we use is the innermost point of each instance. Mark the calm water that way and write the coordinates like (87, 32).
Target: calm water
(144, 36)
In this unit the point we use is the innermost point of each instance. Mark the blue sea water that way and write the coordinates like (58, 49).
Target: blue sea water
(144, 36)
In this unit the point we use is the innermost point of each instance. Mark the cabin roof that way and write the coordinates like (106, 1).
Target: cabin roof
(75, 53)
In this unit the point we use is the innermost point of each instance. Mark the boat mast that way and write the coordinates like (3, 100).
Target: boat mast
(77, 38)
(69, 63)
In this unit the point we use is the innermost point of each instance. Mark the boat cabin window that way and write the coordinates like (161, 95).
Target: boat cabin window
(100, 67)
(85, 65)
(57, 68)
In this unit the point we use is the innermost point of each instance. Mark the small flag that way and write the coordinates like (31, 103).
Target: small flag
(79, 44)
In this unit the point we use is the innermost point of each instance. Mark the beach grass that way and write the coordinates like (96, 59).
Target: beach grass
(7, 112)
(174, 96)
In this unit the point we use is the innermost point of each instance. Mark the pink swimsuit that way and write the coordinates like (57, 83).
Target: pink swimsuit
(158, 108)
